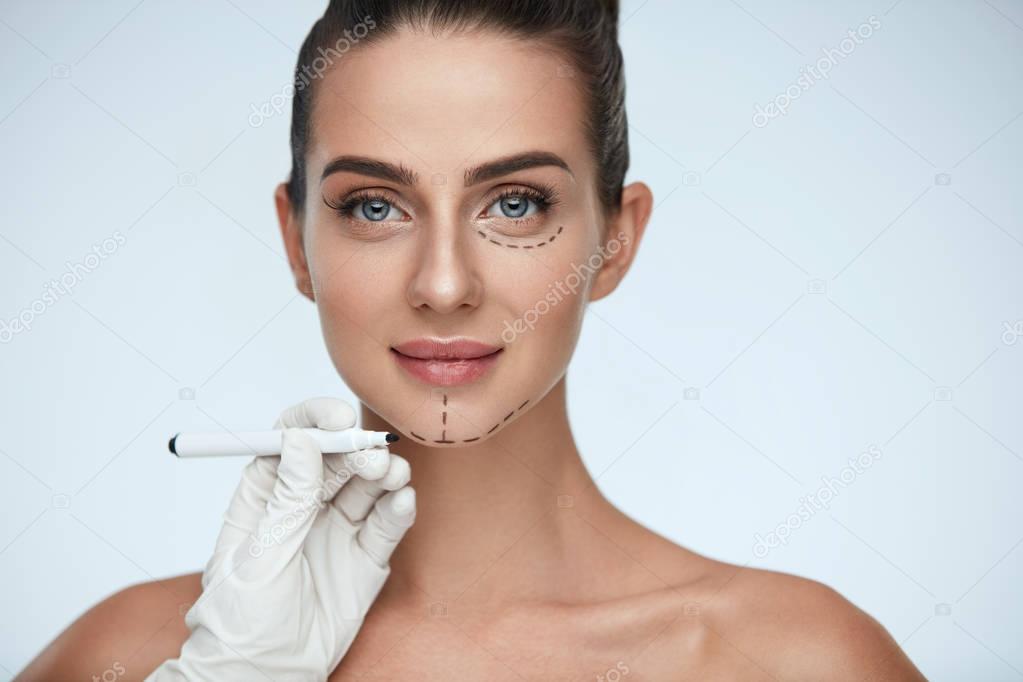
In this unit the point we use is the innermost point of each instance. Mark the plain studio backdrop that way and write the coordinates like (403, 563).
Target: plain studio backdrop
(832, 272)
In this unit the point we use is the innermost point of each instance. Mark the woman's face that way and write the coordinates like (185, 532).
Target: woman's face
(450, 195)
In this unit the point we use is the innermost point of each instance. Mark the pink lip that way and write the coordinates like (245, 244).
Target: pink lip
(446, 362)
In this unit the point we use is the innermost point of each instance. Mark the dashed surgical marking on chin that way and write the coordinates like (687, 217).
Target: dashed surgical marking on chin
(444, 440)
(545, 242)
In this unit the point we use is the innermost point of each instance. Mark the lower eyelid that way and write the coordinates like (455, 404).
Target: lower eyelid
(535, 240)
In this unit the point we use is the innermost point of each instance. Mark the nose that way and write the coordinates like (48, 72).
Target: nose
(445, 277)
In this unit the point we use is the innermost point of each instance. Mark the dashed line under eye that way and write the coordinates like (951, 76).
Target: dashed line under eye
(509, 245)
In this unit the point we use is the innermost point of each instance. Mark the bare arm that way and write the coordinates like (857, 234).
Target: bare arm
(124, 637)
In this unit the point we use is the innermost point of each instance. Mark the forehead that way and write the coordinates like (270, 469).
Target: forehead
(438, 103)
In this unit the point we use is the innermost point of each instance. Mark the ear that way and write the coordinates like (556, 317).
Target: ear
(624, 231)
(291, 232)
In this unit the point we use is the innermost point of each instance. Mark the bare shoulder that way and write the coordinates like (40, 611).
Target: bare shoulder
(129, 634)
(797, 628)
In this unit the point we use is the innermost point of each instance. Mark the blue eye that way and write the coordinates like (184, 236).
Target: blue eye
(364, 207)
(514, 207)
(515, 204)
(374, 210)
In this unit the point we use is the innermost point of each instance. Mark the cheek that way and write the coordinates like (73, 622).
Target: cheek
(548, 296)
(351, 296)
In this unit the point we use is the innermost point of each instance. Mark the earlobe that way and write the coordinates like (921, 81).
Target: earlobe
(291, 233)
(623, 235)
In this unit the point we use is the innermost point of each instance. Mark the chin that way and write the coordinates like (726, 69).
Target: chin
(451, 416)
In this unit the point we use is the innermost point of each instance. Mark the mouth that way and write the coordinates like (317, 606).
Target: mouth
(446, 362)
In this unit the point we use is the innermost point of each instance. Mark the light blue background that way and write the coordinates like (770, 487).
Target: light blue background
(134, 117)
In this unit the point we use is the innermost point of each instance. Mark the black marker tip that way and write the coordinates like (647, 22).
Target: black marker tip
(171, 444)
(391, 437)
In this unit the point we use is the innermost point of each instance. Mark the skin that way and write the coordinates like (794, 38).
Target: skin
(517, 567)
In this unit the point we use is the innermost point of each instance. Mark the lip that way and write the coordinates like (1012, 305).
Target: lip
(446, 362)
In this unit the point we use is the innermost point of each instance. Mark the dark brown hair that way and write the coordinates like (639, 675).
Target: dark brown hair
(584, 31)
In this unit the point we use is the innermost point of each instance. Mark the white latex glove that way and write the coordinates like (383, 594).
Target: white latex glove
(298, 562)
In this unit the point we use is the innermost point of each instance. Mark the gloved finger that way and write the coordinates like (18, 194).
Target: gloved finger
(297, 497)
(371, 463)
(332, 414)
(248, 503)
(341, 468)
(357, 498)
(392, 515)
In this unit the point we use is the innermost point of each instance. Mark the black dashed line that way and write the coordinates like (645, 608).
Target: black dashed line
(444, 421)
(516, 246)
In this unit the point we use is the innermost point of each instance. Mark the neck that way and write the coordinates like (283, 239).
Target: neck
(483, 507)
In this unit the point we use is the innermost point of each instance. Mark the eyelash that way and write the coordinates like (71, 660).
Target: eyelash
(544, 198)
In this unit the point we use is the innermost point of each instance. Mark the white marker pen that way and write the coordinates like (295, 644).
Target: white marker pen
(262, 443)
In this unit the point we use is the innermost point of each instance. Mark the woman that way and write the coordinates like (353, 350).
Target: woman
(454, 203)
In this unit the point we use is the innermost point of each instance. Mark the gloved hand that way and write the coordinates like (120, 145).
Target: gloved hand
(301, 557)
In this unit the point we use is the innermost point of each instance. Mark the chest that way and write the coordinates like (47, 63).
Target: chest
(440, 647)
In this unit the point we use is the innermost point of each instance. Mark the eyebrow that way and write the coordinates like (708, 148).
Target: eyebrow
(399, 174)
(510, 164)
(363, 165)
